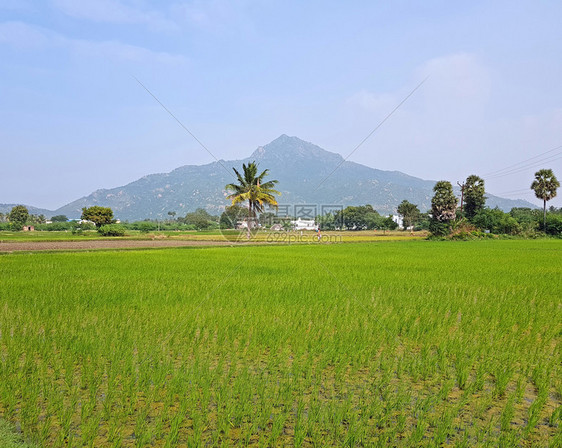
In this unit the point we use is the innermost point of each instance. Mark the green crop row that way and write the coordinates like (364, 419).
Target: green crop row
(394, 344)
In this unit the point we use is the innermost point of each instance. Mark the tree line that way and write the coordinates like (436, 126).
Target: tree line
(473, 217)
(446, 218)
(18, 217)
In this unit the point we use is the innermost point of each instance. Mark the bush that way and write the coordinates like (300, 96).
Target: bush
(145, 226)
(462, 230)
(112, 230)
(439, 228)
(78, 227)
(423, 224)
(87, 226)
(55, 226)
(528, 218)
(16, 226)
(553, 224)
(497, 222)
(509, 226)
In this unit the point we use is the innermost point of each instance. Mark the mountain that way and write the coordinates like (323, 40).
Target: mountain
(307, 174)
(7, 208)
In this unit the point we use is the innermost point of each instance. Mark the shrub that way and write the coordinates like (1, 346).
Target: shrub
(15, 226)
(462, 229)
(423, 223)
(78, 227)
(112, 230)
(145, 226)
(553, 224)
(496, 222)
(527, 217)
(55, 226)
(438, 228)
(509, 226)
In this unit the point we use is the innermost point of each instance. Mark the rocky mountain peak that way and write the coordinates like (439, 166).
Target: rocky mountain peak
(286, 148)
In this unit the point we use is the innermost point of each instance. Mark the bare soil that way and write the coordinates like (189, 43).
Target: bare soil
(103, 244)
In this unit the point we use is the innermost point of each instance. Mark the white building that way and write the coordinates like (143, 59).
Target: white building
(304, 224)
(398, 220)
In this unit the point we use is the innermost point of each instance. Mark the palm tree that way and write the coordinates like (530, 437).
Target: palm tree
(251, 188)
(545, 185)
(474, 198)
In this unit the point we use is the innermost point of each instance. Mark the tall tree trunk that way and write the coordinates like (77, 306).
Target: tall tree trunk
(544, 217)
(249, 223)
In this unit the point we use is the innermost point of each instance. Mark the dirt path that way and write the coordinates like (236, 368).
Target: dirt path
(104, 244)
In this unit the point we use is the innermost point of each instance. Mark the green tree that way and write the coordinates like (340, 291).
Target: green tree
(496, 221)
(423, 221)
(443, 208)
(145, 226)
(409, 212)
(529, 219)
(38, 219)
(358, 217)
(545, 185)
(388, 223)
(252, 188)
(326, 221)
(553, 224)
(18, 217)
(232, 215)
(374, 220)
(474, 199)
(98, 215)
(59, 218)
(200, 219)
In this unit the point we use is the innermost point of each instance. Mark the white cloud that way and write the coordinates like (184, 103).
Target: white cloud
(23, 36)
(217, 16)
(457, 81)
(124, 52)
(453, 125)
(114, 11)
(373, 102)
(457, 77)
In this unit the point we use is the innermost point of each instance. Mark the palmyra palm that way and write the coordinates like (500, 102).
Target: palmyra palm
(545, 185)
(253, 189)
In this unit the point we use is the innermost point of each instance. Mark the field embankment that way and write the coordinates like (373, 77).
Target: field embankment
(38, 241)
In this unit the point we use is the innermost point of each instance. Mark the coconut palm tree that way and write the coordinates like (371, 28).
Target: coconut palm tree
(253, 189)
(545, 185)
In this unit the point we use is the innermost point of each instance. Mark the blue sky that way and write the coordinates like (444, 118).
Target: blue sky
(240, 73)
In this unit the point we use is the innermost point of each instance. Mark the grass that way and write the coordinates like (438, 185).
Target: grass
(402, 344)
(9, 438)
(7, 236)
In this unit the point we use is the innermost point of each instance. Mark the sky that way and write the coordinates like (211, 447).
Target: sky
(239, 73)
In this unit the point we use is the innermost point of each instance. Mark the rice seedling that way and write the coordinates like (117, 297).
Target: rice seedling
(400, 343)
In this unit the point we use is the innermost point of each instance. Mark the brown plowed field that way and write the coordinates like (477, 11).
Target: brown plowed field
(104, 244)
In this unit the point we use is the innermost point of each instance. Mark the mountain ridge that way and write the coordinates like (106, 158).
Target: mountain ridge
(307, 174)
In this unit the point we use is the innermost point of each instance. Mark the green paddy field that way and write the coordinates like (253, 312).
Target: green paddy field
(405, 343)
